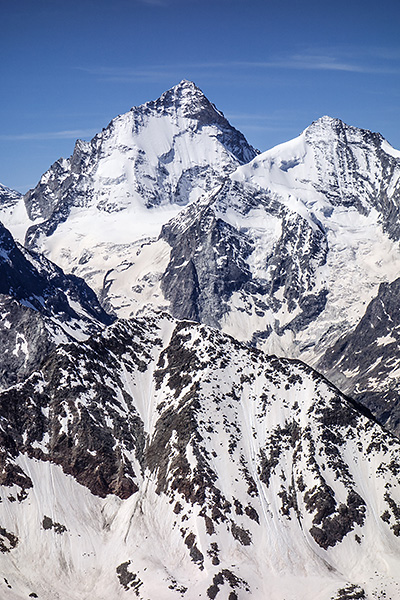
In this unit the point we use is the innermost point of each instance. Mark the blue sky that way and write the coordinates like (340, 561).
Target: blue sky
(68, 68)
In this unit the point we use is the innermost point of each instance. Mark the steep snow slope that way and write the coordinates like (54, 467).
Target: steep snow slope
(165, 460)
(88, 212)
(12, 208)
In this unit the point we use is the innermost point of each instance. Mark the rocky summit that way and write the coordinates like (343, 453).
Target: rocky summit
(217, 415)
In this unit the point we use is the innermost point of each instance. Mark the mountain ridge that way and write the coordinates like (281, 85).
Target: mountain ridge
(154, 457)
(284, 252)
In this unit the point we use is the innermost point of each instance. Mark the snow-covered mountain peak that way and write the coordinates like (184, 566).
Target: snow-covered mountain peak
(185, 95)
(329, 161)
(331, 132)
(129, 180)
(165, 152)
(327, 122)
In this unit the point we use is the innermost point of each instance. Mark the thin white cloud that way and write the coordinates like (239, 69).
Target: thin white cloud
(318, 63)
(245, 127)
(249, 117)
(328, 60)
(162, 3)
(354, 53)
(145, 74)
(276, 121)
(50, 135)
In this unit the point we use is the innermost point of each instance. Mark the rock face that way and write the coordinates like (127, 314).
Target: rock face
(164, 459)
(40, 307)
(365, 362)
(245, 253)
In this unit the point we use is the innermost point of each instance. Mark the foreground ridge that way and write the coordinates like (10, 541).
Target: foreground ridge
(163, 458)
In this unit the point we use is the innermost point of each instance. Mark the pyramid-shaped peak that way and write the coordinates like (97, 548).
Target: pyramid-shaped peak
(328, 130)
(183, 95)
(186, 84)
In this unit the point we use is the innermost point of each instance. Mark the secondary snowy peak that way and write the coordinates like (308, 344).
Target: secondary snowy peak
(205, 469)
(332, 164)
(291, 248)
(329, 130)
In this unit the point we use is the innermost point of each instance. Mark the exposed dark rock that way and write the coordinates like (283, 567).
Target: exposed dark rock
(8, 540)
(351, 592)
(240, 534)
(48, 523)
(226, 576)
(127, 579)
(361, 363)
(335, 521)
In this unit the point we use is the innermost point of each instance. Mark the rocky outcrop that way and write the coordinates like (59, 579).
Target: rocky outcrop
(365, 362)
